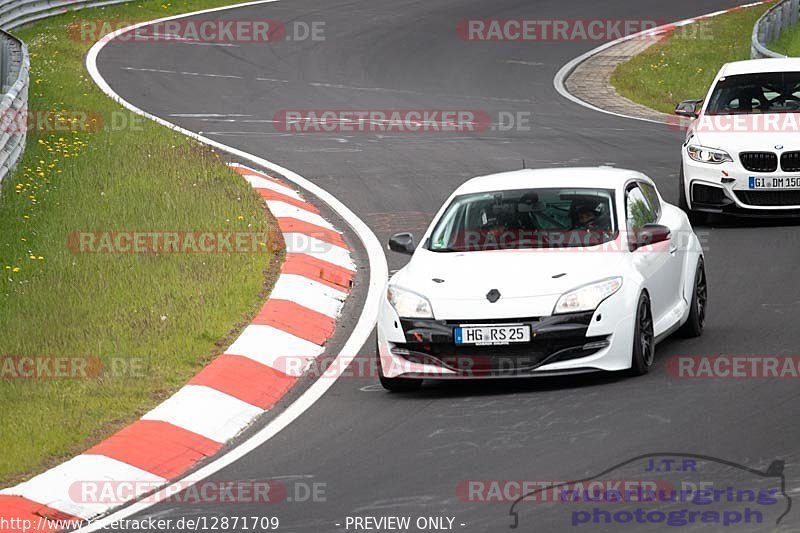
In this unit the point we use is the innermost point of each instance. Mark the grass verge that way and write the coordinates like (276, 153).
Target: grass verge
(150, 320)
(683, 66)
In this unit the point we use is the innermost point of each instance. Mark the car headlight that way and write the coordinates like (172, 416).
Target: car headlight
(409, 304)
(703, 154)
(588, 297)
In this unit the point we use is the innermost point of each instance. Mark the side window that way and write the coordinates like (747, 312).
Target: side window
(637, 210)
(652, 198)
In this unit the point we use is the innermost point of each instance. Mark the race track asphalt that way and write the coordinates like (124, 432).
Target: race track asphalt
(381, 454)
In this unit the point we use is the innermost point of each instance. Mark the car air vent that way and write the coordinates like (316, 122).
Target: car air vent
(759, 161)
(769, 198)
(790, 161)
(707, 195)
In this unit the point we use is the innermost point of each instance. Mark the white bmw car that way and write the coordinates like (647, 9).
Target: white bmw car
(541, 272)
(741, 155)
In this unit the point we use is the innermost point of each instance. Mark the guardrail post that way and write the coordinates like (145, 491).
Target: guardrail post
(774, 31)
(761, 36)
(785, 14)
(776, 24)
(771, 27)
(4, 61)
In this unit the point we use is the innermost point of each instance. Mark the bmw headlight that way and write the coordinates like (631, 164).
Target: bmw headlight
(588, 297)
(703, 154)
(409, 304)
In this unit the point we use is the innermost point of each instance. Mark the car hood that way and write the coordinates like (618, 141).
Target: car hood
(741, 133)
(529, 281)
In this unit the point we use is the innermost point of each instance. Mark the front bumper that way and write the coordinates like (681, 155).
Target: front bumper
(725, 189)
(560, 344)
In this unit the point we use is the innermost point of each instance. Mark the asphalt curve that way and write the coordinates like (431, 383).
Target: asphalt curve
(382, 454)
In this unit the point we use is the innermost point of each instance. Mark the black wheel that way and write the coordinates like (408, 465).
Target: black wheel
(696, 218)
(697, 310)
(644, 341)
(396, 384)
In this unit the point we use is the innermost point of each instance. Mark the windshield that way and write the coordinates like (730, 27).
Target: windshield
(770, 92)
(526, 218)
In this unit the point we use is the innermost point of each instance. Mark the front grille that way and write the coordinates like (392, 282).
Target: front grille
(500, 360)
(790, 161)
(759, 161)
(553, 338)
(705, 194)
(769, 198)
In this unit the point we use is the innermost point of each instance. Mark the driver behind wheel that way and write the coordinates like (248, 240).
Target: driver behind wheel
(586, 215)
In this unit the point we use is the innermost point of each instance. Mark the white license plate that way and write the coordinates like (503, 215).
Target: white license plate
(492, 334)
(774, 182)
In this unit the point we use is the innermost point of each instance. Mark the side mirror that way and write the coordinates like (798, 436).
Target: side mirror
(688, 108)
(651, 234)
(402, 243)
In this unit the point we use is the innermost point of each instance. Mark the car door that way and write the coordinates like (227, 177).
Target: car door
(677, 247)
(653, 262)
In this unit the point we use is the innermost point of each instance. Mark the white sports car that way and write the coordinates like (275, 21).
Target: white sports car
(741, 155)
(541, 272)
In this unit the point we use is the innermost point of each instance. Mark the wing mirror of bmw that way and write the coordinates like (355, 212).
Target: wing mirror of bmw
(402, 243)
(689, 108)
(650, 234)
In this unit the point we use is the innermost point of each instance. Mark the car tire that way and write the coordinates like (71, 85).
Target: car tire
(697, 310)
(644, 345)
(696, 218)
(396, 384)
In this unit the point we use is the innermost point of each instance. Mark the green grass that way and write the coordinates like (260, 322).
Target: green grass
(683, 66)
(168, 313)
(788, 44)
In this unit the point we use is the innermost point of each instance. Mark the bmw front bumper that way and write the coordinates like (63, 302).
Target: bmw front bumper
(725, 189)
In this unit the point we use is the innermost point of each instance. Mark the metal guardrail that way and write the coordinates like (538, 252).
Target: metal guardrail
(15, 69)
(16, 13)
(770, 27)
